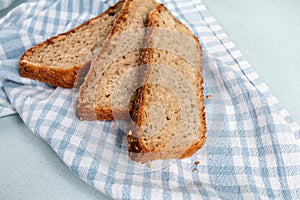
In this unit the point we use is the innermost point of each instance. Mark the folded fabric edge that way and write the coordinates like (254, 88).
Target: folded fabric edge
(253, 77)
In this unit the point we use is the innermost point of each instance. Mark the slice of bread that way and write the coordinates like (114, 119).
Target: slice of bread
(58, 60)
(168, 118)
(105, 93)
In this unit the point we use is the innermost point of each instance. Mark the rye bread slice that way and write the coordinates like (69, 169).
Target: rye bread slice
(57, 60)
(103, 96)
(168, 118)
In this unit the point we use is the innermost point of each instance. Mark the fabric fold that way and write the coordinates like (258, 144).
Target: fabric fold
(252, 149)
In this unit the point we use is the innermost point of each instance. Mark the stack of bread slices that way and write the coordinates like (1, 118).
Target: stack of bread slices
(134, 62)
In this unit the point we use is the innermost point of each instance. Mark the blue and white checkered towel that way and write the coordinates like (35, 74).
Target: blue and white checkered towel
(253, 146)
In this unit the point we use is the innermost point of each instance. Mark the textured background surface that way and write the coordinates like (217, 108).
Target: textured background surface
(266, 33)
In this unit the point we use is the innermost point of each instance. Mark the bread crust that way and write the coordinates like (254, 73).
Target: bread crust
(136, 148)
(49, 75)
(58, 77)
(89, 112)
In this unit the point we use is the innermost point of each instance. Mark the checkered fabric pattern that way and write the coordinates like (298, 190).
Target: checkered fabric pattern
(252, 149)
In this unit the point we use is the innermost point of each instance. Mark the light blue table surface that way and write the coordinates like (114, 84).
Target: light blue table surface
(267, 33)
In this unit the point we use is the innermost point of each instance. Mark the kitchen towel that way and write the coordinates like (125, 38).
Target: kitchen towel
(252, 149)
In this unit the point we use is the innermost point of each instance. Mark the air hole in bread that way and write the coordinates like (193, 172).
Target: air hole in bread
(111, 14)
